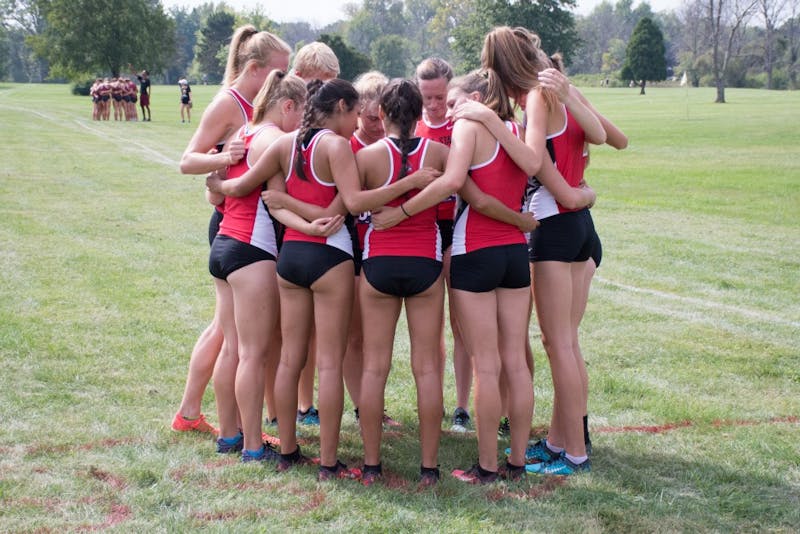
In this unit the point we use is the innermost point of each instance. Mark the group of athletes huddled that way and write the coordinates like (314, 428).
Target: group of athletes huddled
(121, 94)
(337, 205)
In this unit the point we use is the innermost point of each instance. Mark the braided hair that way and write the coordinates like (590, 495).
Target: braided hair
(323, 97)
(401, 101)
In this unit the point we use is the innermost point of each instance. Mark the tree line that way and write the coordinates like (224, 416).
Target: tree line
(733, 43)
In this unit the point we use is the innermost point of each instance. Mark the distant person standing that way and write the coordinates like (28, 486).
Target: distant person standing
(144, 94)
(186, 100)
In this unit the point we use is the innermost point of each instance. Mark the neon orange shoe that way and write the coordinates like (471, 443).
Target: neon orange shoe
(272, 440)
(181, 424)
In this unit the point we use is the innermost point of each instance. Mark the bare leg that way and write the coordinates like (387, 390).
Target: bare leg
(481, 338)
(462, 364)
(255, 296)
(383, 311)
(297, 314)
(422, 312)
(201, 368)
(228, 361)
(353, 358)
(273, 359)
(554, 298)
(333, 301)
(305, 399)
(512, 305)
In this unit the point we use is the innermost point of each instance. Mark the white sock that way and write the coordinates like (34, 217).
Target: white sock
(576, 459)
(553, 448)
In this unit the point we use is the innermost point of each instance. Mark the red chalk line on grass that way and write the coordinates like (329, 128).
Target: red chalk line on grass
(719, 423)
(119, 513)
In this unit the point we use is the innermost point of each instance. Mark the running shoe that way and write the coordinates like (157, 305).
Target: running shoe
(287, 461)
(181, 424)
(504, 429)
(268, 453)
(389, 422)
(271, 423)
(461, 421)
(473, 475)
(370, 474)
(338, 471)
(272, 440)
(226, 447)
(511, 472)
(309, 417)
(428, 476)
(537, 452)
(560, 466)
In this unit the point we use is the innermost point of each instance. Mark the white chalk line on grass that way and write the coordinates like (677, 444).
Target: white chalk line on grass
(703, 303)
(121, 141)
(161, 158)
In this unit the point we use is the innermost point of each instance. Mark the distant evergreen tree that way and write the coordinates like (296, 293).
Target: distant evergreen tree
(645, 56)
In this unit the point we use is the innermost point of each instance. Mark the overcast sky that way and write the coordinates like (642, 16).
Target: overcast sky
(322, 12)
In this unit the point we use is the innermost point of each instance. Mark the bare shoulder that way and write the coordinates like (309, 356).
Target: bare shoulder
(437, 152)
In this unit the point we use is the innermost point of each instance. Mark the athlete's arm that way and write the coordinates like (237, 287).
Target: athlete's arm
(569, 197)
(215, 125)
(494, 208)
(554, 80)
(371, 164)
(526, 157)
(455, 174)
(322, 227)
(267, 165)
(614, 136)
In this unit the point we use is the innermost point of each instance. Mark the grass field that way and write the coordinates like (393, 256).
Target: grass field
(691, 338)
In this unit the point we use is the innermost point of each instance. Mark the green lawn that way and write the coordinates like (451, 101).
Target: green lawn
(691, 337)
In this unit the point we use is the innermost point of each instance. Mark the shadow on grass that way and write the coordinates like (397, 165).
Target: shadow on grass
(636, 491)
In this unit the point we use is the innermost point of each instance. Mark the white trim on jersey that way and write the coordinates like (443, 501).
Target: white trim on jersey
(315, 141)
(564, 128)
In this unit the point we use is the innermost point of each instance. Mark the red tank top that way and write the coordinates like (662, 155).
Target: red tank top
(312, 190)
(245, 105)
(247, 115)
(569, 160)
(443, 134)
(501, 178)
(245, 218)
(417, 235)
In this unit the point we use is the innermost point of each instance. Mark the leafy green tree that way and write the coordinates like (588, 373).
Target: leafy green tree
(606, 22)
(296, 32)
(351, 61)
(614, 57)
(375, 18)
(644, 57)
(187, 23)
(550, 19)
(390, 55)
(89, 36)
(23, 19)
(212, 43)
(5, 47)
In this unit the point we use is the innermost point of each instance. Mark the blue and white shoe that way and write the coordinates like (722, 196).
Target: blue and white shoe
(561, 466)
(538, 452)
(230, 445)
(268, 453)
(309, 417)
